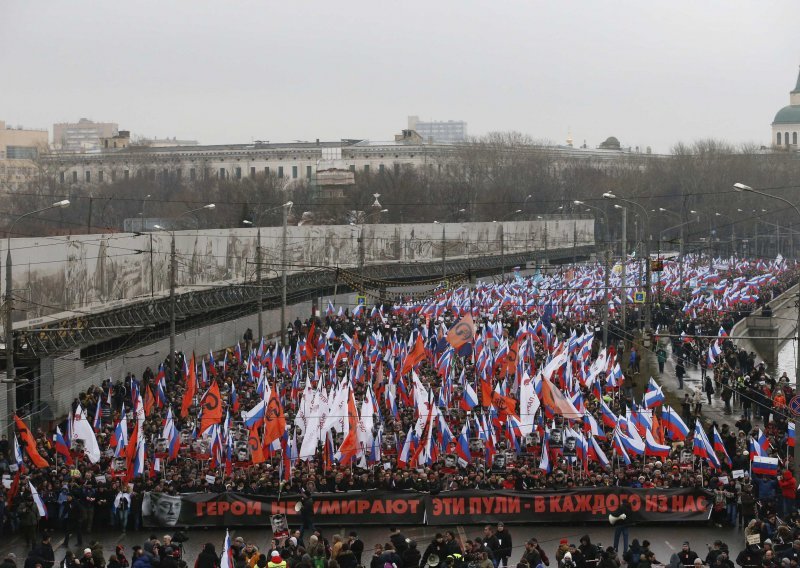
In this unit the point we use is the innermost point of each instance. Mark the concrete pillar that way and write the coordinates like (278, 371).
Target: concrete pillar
(764, 333)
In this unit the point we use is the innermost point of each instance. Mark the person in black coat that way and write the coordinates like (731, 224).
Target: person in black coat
(356, 546)
(45, 551)
(504, 545)
(411, 557)
(435, 547)
(208, 558)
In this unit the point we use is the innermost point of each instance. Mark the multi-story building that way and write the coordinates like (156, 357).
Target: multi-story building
(19, 148)
(448, 132)
(289, 161)
(82, 136)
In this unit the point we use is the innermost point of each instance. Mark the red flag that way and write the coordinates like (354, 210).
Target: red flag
(149, 400)
(463, 331)
(254, 442)
(505, 405)
(414, 356)
(191, 389)
(29, 443)
(13, 491)
(486, 392)
(274, 418)
(212, 408)
(311, 341)
(347, 451)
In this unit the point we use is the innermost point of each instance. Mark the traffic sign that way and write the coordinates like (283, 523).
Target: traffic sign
(361, 300)
(638, 297)
(794, 405)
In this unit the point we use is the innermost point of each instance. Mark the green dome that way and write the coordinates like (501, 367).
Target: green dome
(788, 115)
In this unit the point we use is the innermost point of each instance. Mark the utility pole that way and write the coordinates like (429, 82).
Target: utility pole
(575, 242)
(606, 283)
(444, 254)
(502, 252)
(172, 277)
(11, 375)
(152, 277)
(259, 291)
(89, 217)
(361, 257)
(283, 272)
(624, 273)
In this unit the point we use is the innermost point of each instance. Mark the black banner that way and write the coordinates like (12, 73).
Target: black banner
(567, 506)
(410, 508)
(240, 509)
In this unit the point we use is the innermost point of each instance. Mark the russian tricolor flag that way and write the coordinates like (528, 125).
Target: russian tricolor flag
(653, 448)
(790, 435)
(596, 453)
(38, 500)
(255, 415)
(653, 397)
(462, 447)
(675, 426)
(763, 465)
(470, 398)
(61, 446)
(719, 447)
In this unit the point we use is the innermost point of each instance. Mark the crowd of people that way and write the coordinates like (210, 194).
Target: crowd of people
(400, 397)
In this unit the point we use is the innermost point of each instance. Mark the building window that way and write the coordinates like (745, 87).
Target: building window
(779, 138)
(100, 176)
(308, 168)
(266, 171)
(126, 174)
(165, 175)
(794, 138)
(786, 138)
(280, 172)
(381, 168)
(222, 173)
(113, 175)
(366, 168)
(252, 172)
(74, 177)
(192, 174)
(61, 177)
(21, 153)
(238, 173)
(352, 168)
(88, 176)
(179, 173)
(397, 169)
(294, 172)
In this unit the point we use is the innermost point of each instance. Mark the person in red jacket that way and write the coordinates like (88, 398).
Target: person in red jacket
(788, 487)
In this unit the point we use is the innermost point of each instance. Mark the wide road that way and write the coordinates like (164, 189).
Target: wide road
(665, 539)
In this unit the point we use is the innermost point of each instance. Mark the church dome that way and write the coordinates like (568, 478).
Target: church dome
(788, 115)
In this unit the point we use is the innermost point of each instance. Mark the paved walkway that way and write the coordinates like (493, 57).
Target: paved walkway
(692, 382)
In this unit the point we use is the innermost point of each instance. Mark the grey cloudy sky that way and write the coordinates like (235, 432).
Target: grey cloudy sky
(650, 73)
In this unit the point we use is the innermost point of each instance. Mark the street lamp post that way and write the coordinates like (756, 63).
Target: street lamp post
(607, 263)
(11, 392)
(503, 242)
(648, 299)
(173, 275)
(796, 455)
(286, 207)
(259, 266)
(733, 229)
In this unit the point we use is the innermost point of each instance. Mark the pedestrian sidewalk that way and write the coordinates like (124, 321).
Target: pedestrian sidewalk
(692, 382)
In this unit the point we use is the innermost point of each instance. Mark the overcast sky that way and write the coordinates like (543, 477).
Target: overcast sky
(650, 73)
